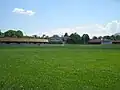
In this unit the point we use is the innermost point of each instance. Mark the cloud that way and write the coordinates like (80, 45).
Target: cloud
(23, 11)
(91, 29)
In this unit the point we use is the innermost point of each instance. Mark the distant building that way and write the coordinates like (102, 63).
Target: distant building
(99, 41)
(55, 39)
(22, 40)
(94, 41)
(116, 42)
(106, 41)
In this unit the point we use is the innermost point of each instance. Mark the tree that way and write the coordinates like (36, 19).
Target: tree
(85, 38)
(107, 37)
(43, 36)
(65, 37)
(74, 38)
(100, 37)
(10, 33)
(19, 33)
(118, 37)
(94, 37)
(113, 37)
(0, 33)
(34, 36)
(46, 37)
(13, 33)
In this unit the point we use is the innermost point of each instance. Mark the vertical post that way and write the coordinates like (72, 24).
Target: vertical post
(84, 39)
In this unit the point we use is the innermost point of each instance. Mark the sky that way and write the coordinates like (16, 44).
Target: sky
(93, 17)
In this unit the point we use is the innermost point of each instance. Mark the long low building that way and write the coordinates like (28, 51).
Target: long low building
(94, 41)
(23, 40)
(99, 41)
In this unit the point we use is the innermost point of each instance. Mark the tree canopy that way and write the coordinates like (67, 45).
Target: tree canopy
(95, 37)
(13, 33)
(85, 38)
(0, 32)
(74, 38)
(19, 33)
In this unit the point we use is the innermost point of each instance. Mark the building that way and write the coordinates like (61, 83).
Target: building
(99, 41)
(94, 41)
(55, 39)
(9, 40)
(106, 41)
(116, 42)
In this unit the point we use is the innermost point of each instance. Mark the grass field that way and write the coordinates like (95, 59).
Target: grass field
(71, 67)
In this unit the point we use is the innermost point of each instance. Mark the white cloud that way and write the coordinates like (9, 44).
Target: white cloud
(23, 11)
(91, 29)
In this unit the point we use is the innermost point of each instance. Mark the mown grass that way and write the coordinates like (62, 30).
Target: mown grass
(71, 67)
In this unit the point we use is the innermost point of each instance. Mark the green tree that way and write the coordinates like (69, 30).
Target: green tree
(113, 37)
(43, 36)
(65, 37)
(74, 38)
(95, 37)
(46, 37)
(85, 38)
(34, 36)
(118, 37)
(19, 33)
(10, 33)
(107, 37)
(0, 33)
(100, 37)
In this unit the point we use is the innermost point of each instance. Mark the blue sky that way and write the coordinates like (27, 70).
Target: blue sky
(95, 17)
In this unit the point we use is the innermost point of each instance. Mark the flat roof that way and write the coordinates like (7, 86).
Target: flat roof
(22, 40)
(94, 40)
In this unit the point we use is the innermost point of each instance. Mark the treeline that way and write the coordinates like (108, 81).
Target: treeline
(12, 33)
(112, 37)
(73, 38)
(19, 34)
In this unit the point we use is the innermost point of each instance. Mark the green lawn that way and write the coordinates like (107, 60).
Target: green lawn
(71, 67)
